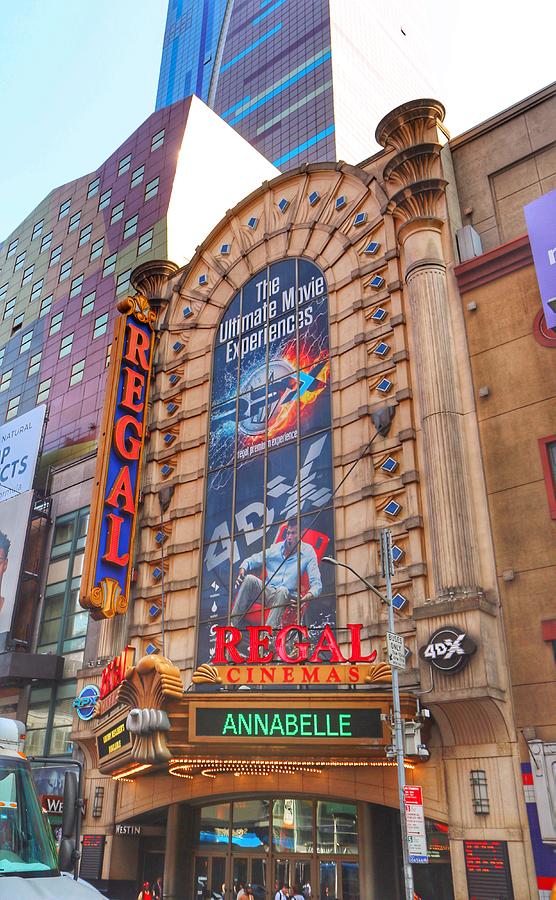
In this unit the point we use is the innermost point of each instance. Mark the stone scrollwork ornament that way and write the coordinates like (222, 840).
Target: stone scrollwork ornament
(145, 690)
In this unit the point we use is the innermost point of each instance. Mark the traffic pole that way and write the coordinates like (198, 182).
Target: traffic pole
(387, 562)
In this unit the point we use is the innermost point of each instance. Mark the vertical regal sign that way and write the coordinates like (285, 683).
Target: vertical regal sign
(108, 554)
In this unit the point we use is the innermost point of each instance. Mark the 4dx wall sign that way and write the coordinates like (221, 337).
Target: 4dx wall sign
(108, 554)
(448, 650)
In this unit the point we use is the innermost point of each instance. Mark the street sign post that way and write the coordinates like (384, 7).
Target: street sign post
(396, 649)
(415, 821)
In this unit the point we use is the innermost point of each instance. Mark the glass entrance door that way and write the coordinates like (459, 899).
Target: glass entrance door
(294, 872)
(210, 878)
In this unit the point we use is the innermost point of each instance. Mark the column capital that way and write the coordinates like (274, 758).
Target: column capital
(150, 280)
(409, 124)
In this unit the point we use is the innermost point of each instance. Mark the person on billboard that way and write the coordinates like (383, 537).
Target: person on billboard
(279, 564)
(4, 550)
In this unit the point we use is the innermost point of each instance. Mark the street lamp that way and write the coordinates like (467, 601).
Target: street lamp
(387, 563)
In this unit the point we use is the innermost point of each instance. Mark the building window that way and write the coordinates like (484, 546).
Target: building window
(37, 229)
(34, 364)
(17, 323)
(65, 346)
(45, 306)
(96, 249)
(88, 303)
(49, 721)
(117, 213)
(46, 242)
(130, 227)
(76, 286)
(64, 209)
(122, 281)
(19, 260)
(100, 326)
(151, 188)
(44, 390)
(145, 242)
(124, 164)
(12, 248)
(27, 274)
(55, 323)
(4, 291)
(137, 176)
(85, 235)
(26, 341)
(55, 256)
(93, 188)
(9, 308)
(109, 264)
(65, 270)
(74, 221)
(77, 372)
(36, 290)
(547, 447)
(5, 380)
(157, 140)
(108, 352)
(104, 199)
(13, 407)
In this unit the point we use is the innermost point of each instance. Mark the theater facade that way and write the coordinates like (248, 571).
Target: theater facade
(302, 384)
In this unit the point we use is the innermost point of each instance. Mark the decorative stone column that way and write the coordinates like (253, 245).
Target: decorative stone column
(417, 204)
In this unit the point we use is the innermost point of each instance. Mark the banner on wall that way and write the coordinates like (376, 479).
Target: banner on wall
(270, 460)
(14, 521)
(20, 440)
(540, 216)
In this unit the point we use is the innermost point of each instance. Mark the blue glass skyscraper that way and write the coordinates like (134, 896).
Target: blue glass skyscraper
(302, 81)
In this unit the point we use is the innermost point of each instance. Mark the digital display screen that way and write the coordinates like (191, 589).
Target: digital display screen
(113, 740)
(276, 724)
(488, 870)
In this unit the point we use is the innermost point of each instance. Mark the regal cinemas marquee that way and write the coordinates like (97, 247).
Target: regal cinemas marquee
(249, 742)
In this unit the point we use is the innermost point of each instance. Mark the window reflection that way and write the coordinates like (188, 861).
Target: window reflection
(250, 826)
(292, 826)
(336, 827)
(214, 825)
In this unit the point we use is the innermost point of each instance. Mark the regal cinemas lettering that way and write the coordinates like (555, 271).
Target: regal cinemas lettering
(108, 561)
(287, 645)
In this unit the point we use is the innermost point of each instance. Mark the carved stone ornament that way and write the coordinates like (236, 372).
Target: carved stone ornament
(107, 597)
(145, 689)
(151, 278)
(139, 307)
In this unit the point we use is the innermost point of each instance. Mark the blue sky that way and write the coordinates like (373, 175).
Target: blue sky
(78, 76)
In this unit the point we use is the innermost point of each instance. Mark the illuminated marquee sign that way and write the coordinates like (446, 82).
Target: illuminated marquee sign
(108, 562)
(291, 644)
(277, 723)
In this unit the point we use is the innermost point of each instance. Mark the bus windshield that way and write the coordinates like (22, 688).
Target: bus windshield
(27, 846)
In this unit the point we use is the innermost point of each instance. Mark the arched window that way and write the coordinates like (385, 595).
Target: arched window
(268, 507)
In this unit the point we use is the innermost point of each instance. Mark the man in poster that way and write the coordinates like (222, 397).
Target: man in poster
(280, 564)
(4, 550)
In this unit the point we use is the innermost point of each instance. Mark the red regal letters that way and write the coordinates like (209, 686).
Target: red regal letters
(261, 652)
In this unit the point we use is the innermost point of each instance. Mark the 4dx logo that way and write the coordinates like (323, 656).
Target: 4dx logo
(448, 649)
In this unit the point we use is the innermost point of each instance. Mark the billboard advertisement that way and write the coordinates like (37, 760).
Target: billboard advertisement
(540, 216)
(270, 460)
(14, 519)
(20, 441)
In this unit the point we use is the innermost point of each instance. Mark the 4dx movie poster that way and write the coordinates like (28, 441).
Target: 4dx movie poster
(270, 460)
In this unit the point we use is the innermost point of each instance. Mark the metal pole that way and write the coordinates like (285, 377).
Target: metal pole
(387, 562)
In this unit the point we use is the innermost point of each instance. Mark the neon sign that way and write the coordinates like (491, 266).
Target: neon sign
(340, 723)
(108, 556)
(291, 645)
